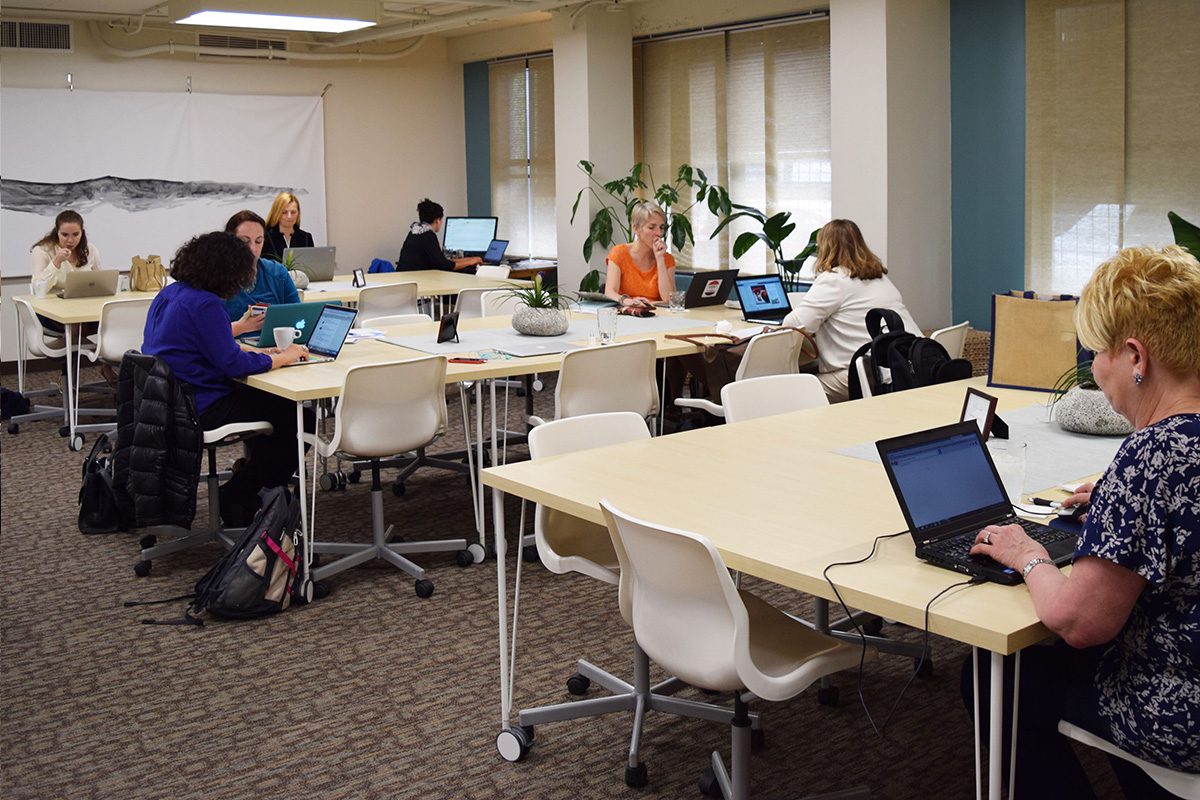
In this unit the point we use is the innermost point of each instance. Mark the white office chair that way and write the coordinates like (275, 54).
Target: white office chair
(1182, 784)
(492, 271)
(690, 618)
(122, 323)
(498, 301)
(469, 304)
(614, 377)
(385, 410)
(775, 353)
(399, 319)
(568, 544)
(385, 300)
(34, 340)
(864, 376)
(952, 338)
(769, 395)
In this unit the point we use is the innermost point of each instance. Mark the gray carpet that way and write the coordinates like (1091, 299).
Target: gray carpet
(373, 692)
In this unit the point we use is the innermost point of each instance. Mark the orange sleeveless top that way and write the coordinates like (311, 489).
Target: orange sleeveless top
(634, 281)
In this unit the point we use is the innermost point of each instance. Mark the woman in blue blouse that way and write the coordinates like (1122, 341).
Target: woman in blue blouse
(269, 283)
(187, 327)
(1129, 613)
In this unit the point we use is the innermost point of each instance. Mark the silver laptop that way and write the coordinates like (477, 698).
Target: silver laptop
(328, 335)
(89, 283)
(530, 349)
(318, 263)
(763, 298)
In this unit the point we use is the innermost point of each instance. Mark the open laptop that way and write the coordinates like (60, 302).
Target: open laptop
(89, 283)
(763, 299)
(948, 489)
(704, 288)
(318, 263)
(301, 316)
(328, 335)
(495, 252)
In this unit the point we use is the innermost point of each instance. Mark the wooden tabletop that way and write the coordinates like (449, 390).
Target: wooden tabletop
(79, 309)
(430, 283)
(779, 503)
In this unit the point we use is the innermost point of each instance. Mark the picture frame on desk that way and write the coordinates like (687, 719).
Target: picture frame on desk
(981, 409)
(360, 279)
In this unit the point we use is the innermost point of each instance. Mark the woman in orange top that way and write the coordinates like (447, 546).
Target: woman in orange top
(643, 271)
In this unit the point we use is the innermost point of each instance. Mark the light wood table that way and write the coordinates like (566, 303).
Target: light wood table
(430, 283)
(780, 504)
(70, 313)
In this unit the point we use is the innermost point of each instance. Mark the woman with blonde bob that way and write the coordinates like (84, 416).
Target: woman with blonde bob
(283, 227)
(642, 271)
(851, 280)
(1128, 665)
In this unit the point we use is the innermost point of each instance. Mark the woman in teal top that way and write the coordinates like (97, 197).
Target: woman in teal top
(272, 284)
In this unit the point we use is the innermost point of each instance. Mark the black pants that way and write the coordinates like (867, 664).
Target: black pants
(272, 459)
(1057, 682)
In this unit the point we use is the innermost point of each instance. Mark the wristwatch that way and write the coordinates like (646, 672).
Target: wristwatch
(1033, 562)
(622, 299)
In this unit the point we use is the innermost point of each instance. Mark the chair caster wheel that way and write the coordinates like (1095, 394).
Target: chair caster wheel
(538, 385)
(513, 744)
(424, 589)
(76, 443)
(478, 554)
(827, 695)
(14, 428)
(148, 541)
(924, 668)
(578, 684)
(529, 733)
(530, 554)
(355, 476)
(398, 489)
(758, 740)
(319, 590)
(141, 569)
(464, 558)
(635, 777)
(237, 465)
(709, 785)
(873, 627)
(64, 431)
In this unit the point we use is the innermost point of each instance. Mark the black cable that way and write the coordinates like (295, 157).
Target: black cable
(880, 729)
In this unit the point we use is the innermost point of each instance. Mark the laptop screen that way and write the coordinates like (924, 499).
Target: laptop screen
(331, 329)
(944, 477)
(762, 294)
(495, 251)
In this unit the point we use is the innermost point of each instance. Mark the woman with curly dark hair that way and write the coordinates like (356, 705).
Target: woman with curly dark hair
(187, 327)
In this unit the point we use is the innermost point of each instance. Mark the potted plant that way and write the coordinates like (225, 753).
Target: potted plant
(774, 230)
(618, 197)
(541, 309)
(1078, 405)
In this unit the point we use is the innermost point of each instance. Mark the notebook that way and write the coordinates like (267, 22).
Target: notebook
(318, 263)
(948, 489)
(763, 299)
(89, 283)
(495, 252)
(301, 316)
(704, 288)
(328, 335)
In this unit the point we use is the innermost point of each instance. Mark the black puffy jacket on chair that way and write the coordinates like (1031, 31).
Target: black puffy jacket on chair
(156, 462)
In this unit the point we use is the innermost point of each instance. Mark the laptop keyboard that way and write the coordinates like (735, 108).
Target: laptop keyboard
(958, 548)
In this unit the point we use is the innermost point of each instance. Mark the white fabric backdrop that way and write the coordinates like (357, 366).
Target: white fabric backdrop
(227, 152)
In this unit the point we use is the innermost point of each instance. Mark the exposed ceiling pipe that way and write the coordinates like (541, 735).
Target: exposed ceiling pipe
(446, 21)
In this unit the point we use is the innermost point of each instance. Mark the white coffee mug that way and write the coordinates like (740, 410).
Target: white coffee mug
(285, 336)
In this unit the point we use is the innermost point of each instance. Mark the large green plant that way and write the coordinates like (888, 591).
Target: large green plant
(1187, 235)
(618, 197)
(773, 230)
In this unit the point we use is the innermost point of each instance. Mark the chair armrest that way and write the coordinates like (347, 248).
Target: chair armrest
(702, 404)
(535, 420)
(235, 432)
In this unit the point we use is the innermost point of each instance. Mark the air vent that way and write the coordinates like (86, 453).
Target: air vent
(233, 43)
(48, 37)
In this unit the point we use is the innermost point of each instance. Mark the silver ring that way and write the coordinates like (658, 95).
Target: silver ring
(987, 537)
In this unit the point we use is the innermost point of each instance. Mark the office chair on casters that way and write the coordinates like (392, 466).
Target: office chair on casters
(492, 271)
(568, 544)
(1182, 784)
(775, 353)
(34, 340)
(613, 377)
(121, 325)
(689, 617)
(386, 410)
(952, 338)
(769, 395)
(385, 300)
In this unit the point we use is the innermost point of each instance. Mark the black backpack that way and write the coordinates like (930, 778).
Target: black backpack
(12, 404)
(255, 578)
(97, 501)
(911, 360)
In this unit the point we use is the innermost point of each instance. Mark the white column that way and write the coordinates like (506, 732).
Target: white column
(593, 121)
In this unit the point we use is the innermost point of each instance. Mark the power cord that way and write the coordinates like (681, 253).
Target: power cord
(881, 729)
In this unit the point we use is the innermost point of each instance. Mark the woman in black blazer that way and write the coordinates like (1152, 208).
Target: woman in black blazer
(283, 227)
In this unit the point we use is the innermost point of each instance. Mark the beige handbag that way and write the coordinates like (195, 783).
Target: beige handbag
(1033, 340)
(147, 274)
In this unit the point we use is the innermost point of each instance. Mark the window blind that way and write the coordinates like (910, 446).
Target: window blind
(1112, 129)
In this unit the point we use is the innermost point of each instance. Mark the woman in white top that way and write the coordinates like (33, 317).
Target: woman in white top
(64, 249)
(851, 280)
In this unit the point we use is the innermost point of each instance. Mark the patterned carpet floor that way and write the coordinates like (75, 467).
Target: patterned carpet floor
(373, 692)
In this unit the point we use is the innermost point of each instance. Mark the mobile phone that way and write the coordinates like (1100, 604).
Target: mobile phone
(258, 309)
(467, 361)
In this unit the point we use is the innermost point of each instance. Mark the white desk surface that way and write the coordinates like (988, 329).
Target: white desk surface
(430, 283)
(79, 309)
(780, 504)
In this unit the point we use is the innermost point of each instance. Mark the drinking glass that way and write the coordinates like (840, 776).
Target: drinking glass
(1009, 458)
(675, 303)
(606, 324)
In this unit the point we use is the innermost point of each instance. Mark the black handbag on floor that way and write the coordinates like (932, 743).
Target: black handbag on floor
(97, 500)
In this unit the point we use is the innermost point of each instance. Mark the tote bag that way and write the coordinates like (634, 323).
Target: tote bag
(1033, 340)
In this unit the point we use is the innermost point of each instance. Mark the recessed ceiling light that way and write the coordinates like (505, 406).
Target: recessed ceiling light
(292, 15)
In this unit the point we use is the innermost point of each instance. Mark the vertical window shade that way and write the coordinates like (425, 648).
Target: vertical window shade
(1112, 129)
(750, 108)
(521, 113)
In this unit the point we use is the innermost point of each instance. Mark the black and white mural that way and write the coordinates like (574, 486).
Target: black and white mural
(149, 170)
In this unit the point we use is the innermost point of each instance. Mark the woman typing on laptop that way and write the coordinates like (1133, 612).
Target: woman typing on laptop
(187, 327)
(421, 249)
(642, 271)
(269, 282)
(1128, 665)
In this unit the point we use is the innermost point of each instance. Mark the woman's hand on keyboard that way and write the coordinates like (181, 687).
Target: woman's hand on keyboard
(1007, 544)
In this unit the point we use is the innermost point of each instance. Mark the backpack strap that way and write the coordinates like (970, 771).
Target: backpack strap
(878, 317)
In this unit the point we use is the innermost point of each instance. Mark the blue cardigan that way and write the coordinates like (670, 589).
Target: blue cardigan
(188, 329)
(272, 285)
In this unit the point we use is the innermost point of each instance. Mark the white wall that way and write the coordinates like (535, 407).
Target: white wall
(393, 130)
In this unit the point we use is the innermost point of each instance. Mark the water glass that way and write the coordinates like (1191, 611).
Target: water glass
(675, 302)
(606, 324)
(1009, 458)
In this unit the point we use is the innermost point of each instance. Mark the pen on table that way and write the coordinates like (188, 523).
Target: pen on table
(1041, 501)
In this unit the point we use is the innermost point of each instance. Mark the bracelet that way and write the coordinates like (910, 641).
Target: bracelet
(1033, 562)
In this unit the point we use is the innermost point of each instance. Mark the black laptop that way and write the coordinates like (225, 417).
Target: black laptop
(948, 489)
(710, 288)
(763, 299)
(495, 252)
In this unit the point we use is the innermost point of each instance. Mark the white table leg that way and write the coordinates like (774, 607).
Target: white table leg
(502, 603)
(1012, 761)
(69, 397)
(300, 472)
(495, 457)
(975, 716)
(996, 728)
(479, 512)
